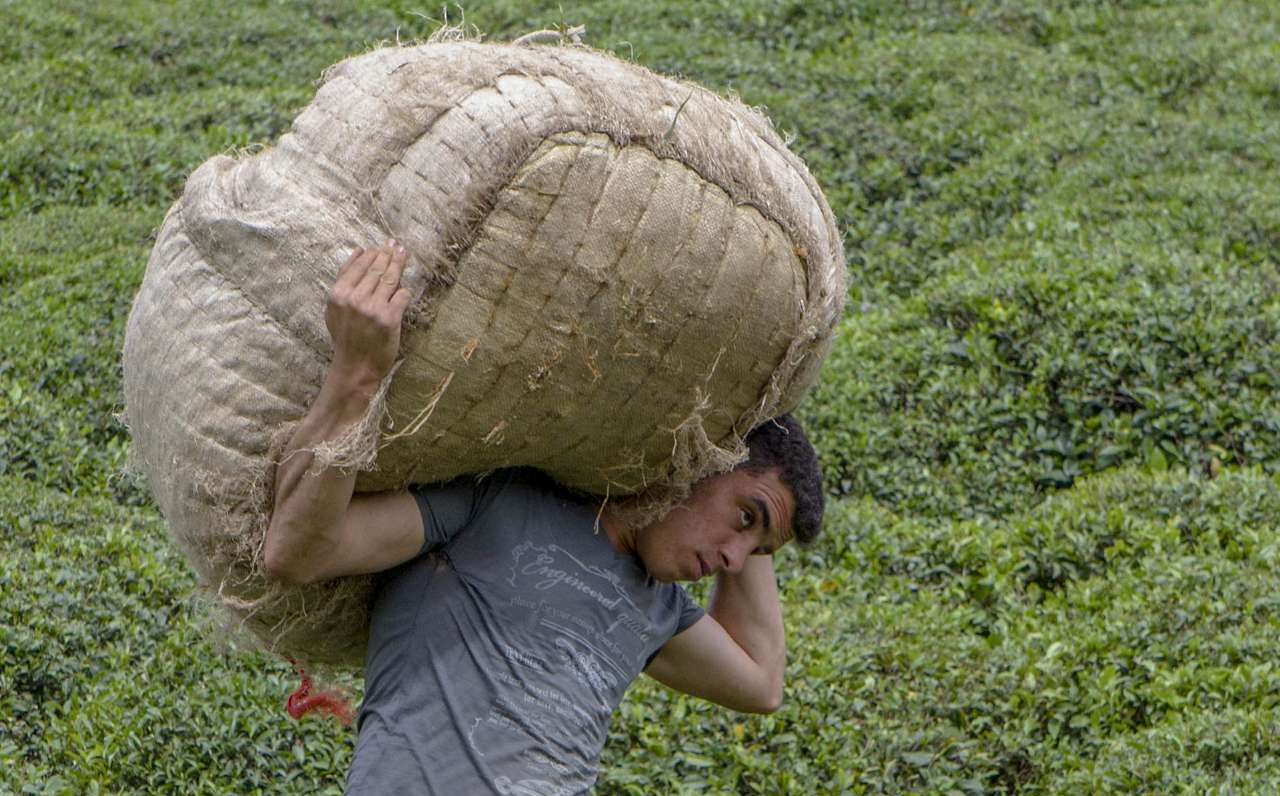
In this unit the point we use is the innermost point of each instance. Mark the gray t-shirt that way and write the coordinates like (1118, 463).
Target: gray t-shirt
(496, 661)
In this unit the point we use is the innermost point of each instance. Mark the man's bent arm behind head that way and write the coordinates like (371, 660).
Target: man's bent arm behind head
(737, 654)
(318, 530)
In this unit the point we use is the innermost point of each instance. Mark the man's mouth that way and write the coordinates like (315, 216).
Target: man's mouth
(703, 569)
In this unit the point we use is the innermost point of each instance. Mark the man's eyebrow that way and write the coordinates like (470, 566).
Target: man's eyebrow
(764, 512)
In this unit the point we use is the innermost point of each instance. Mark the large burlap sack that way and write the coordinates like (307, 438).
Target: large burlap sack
(617, 275)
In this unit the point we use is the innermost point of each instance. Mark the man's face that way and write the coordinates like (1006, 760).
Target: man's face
(727, 518)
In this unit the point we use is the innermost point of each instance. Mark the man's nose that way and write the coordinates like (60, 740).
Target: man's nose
(733, 555)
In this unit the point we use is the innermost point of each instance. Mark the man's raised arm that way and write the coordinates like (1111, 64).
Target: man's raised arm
(737, 654)
(317, 529)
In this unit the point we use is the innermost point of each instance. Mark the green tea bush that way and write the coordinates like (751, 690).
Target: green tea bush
(987, 390)
(1130, 313)
(63, 312)
(109, 681)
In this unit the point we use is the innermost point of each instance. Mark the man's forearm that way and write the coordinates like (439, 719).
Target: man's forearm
(309, 504)
(746, 605)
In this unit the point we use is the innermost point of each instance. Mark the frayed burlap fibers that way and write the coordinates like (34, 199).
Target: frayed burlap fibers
(616, 275)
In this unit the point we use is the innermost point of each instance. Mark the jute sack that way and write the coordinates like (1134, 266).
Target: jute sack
(617, 274)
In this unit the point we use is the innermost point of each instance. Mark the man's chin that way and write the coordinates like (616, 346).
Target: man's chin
(683, 577)
(669, 576)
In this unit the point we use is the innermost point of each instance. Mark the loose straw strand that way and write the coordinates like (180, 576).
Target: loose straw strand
(422, 417)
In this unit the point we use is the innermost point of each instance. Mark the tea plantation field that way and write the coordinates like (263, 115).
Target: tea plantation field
(1049, 425)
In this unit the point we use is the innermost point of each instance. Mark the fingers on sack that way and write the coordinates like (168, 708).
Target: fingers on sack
(372, 276)
(399, 302)
(345, 267)
(353, 270)
(389, 282)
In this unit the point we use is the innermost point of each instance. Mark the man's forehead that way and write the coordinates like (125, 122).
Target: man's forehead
(780, 504)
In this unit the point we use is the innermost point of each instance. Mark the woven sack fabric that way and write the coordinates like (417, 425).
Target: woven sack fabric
(616, 275)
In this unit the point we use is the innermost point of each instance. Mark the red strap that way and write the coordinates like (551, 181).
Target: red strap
(302, 701)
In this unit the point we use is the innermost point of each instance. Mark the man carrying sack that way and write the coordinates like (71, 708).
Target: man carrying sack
(511, 614)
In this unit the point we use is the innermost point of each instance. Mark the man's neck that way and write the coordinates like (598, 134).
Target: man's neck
(620, 536)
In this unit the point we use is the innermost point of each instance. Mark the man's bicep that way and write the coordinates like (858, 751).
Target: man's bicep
(380, 530)
(704, 661)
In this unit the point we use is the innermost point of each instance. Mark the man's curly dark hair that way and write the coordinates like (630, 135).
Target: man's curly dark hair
(782, 444)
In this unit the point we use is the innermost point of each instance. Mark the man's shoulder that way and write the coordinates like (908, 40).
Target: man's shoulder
(501, 493)
(531, 481)
(498, 478)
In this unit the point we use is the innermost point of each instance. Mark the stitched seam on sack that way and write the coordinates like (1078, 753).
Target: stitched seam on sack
(760, 222)
(759, 128)
(512, 103)
(666, 351)
(585, 397)
(249, 299)
(178, 330)
(599, 124)
(674, 256)
(662, 358)
(703, 187)
(496, 305)
(756, 199)
(615, 155)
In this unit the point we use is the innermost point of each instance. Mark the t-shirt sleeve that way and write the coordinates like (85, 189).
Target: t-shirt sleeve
(449, 507)
(686, 610)
(690, 611)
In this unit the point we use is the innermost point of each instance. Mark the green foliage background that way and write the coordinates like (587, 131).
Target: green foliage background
(1050, 421)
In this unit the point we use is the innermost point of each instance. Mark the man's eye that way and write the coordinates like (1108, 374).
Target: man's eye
(746, 517)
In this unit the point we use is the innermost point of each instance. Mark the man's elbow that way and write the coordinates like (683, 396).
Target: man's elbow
(281, 567)
(768, 701)
(280, 570)
(772, 703)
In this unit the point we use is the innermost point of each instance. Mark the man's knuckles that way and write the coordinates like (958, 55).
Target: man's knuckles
(388, 316)
(377, 310)
(341, 296)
